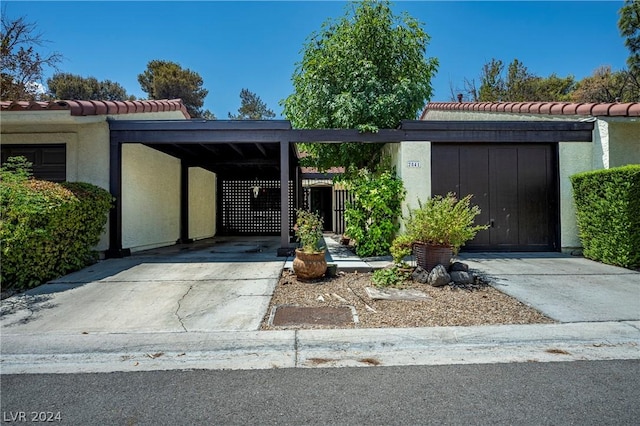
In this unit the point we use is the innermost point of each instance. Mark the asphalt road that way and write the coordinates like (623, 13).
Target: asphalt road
(578, 393)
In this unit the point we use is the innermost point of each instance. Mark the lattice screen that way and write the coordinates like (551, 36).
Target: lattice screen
(252, 207)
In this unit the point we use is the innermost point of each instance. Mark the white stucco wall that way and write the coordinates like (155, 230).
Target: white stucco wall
(150, 198)
(413, 165)
(202, 203)
(624, 142)
(573, 157)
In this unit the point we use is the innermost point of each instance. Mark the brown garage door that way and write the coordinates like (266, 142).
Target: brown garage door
(515, 186)
(49, 161)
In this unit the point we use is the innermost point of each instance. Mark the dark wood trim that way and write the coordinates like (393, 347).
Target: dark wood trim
(284, 196)
(184, 203)
(115, 214)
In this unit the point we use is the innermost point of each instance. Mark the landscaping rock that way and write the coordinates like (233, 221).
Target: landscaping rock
(461, 277)
(395, 294)
(420, 275)
(459, 266)
(439, 276)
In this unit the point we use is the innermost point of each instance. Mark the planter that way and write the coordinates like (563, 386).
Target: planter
(309, 266)
(430, 255)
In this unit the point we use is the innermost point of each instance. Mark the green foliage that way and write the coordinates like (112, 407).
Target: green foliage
(390, 277)
(520, 85)
(629, 26)
(605, 85)
(444, 221)
(168, 80)
(308, 229)
(252, 108)
(47, 229)
(401, 247)
(21, 62)
(365, 71)
(70, 86)
(372, 217)
(608, 211)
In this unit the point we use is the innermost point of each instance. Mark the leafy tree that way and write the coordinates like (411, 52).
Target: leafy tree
(21, 64)
(367, 70)
(252, 108)
(70, 86)
(491, 81)
(607, 86)
(520, 85)
(168, 80)
(629, 25)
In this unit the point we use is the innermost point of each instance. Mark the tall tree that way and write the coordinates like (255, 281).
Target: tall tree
(252, 108)
(629, 25)
(520, 85)
(367, 70)
(491, 82)
(168, 80)
(70, 86)
(605, 85)
(21, 64)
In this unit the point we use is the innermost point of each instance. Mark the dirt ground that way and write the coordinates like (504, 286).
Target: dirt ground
(446, 306)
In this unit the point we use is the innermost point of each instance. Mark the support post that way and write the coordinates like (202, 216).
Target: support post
(285, 248)
(184, 203)
(115, 187)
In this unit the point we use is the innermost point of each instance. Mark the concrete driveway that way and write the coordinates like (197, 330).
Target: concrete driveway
(224, 284)
(565, 288)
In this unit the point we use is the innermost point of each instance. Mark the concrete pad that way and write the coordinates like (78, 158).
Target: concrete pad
(198, 271)
(565, 288)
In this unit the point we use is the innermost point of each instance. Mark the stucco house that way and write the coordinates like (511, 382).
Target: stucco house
(176, 179)
(520, 180)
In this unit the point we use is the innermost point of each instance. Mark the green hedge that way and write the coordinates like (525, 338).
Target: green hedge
(608, 208)
(47, 229)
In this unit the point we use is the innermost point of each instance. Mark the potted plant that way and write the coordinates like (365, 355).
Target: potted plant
(310, 262)
(439, 227)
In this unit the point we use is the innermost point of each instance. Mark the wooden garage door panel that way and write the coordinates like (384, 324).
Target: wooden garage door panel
(474, 179)
(514, 186)
(534, 195)
(503, 190)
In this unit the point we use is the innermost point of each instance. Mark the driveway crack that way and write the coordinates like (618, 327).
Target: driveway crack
(176, 313)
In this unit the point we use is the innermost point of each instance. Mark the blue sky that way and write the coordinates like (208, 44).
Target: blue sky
(255, 45)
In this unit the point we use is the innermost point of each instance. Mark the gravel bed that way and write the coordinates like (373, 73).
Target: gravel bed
(447, 306)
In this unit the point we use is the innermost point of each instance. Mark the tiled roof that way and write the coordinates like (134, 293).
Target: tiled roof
(629, 109)
(82, 108)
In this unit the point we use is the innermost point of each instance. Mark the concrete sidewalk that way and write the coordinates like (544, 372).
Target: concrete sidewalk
(200, 306)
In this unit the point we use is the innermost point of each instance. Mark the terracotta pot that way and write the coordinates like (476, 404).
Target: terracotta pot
(430, 255)
(309, 266)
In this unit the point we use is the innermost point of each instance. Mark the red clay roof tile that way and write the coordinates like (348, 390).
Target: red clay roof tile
(83, 108)
(631, 109)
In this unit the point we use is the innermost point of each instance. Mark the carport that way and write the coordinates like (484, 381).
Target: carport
(267, 150)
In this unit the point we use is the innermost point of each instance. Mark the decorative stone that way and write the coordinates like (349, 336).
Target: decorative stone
(395, 294)
(459, 266)
(439, 276)
(461, 277)
(420, 275)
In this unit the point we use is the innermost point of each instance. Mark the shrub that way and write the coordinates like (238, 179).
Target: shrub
(47, 229)
(608, 212)
(308, 229)
(444, 221)
(390, 277)
(372, 217)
